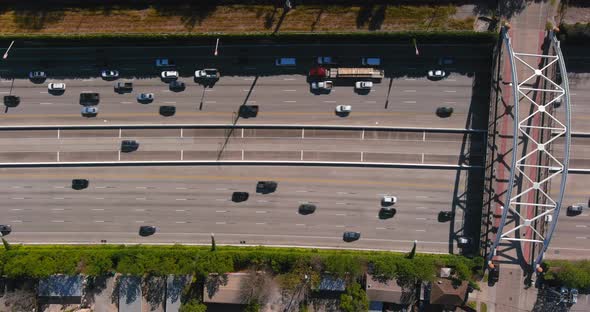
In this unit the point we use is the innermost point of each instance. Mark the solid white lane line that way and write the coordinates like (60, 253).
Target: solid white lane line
(181, 199)
(260, 223)
(409, 90)
(15, 187)
(450, 91)
(340, 203)
(219, 222)
(57, 209)
(180, 210)
(301, 191)
(58, 221)
(210, 102)
(126, 102)
(581, 226)
(138, 221)
(380, 228)
(290, 101)
(180, 221)
(141, 187)
(220, 210)
(18, 198)
(260, 211)
(101, 187)
(139, 209)
(288, 78)
(339, 226)
(262, 201)
(221, 189)
(420, 218)
(45, 103)
(170, 102)
(181, 188)
(450, 102)
(59, 187)
(99, 198)
(98, 209)
(370, 102)
(420, 207)
(410, 102)
(300, 224)
(99, 221)
(16, 209)
(290, 90)
(140, 198)
(329, 101)
(341, 214)
(420, 230)
(17, 221)
(580, 237)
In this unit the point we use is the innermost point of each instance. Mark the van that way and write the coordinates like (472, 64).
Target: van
(371, 61)
(286, 61)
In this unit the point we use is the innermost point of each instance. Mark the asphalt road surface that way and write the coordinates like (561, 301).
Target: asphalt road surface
(283, 99)
(572, 236)
(190, 203)
(240, 144)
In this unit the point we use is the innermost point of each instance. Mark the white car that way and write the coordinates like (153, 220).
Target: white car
(343, 108)
(89, 111)
(388, 200)
(145, 97)
(109, 74)
(169, 74)
(59, 86)
(363, 85)
(209, 73)
(436, 74)
(37, 75)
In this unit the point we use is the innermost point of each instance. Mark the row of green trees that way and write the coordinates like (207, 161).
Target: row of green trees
(574, 274)
(42, 261)
(578, 33)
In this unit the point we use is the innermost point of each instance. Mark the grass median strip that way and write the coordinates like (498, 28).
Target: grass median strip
(207, 18)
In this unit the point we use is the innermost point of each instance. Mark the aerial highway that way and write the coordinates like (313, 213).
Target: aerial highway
(189, 203)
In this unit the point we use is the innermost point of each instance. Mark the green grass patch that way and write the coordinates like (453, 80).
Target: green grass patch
(575, 274)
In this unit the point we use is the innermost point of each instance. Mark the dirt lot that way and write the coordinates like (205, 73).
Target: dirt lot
(231, 19)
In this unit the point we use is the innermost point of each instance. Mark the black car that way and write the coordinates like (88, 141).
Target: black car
(351, 236)
(248, 111)
(444, 111)
(177, 85)
(128, 146)
(239, 197)
(494, 274)
(5, 229)
(574, 210)
(89, 98)
(147, 230)
(11, 100)
(387, 213)
(445, 216)
(79, 184)
(266, 187)
(307, 208)
(167, 110)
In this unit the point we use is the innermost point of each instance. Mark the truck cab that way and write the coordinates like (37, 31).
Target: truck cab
(123, 87)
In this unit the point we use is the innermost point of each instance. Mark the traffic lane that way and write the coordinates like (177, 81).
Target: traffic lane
(579, 84)
(278, 103)
(434, 197)
(579, 152)
(571, 239)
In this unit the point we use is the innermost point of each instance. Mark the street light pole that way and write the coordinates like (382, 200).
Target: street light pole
(7, 50)
(216, 46)
(416, 46)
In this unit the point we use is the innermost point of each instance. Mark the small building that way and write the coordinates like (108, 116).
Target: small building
(448, 293)
(329, 287)
(224, 288)
(61, 289)
(387, 293)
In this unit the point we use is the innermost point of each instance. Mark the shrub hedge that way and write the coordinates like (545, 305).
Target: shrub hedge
(42, 261)
(251, 38)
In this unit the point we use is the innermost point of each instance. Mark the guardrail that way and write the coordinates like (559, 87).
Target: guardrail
(236, 163)
(241, 126)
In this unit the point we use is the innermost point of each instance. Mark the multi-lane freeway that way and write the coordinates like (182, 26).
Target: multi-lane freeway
(188, 203)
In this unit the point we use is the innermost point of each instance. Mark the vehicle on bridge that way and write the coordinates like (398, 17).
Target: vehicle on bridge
(5, 229)
(307, 208)
(89, 111)
(147, 230)
(11, 100)
(208, 73)
(342, 72)
(56, 86)
(79, 184)
(123, 87)
(351, 236)
(238, 197)
(265, 187)
(322, 85)
(89, 98)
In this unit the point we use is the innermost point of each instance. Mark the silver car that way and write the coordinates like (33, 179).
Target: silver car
(60, 86)
(169, 74)
(89, 111)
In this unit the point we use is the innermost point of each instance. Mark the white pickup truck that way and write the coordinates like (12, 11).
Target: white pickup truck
(322, 85)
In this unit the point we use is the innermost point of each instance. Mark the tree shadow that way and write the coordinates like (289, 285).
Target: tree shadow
(36, 17)
(213, 282)
(94, 286)
(153, 289)
(269, 18)
(280, 22)
(191, 14)
(317, 19)
(364, 15)
(378, 17)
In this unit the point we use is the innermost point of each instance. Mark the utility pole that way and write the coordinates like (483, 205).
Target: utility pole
(7, 50)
